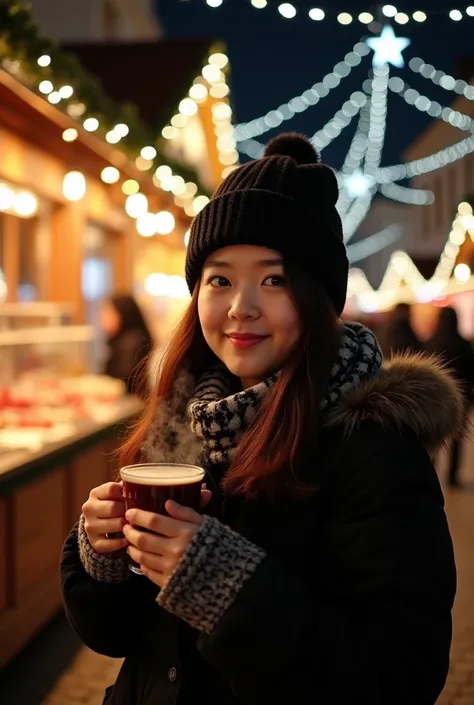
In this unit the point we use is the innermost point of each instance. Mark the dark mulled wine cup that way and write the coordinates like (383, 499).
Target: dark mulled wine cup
(149, 486)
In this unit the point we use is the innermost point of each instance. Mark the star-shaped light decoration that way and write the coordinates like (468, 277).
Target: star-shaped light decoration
(358, 183)
(388, 48)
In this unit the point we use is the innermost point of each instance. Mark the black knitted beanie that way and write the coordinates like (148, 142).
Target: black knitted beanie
(285, 201)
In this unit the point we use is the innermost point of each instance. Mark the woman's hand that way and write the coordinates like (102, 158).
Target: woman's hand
(158, 553)
(104, 513)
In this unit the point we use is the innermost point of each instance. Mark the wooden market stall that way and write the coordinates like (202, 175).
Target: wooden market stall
(93, 200)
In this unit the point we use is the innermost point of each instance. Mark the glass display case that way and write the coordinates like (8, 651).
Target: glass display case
(46, 389)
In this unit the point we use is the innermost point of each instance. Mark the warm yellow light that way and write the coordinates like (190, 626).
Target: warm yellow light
(112, 137)
(130, 186)
(148, 153)
(228, 158)
(170, 132)
(143, 164)
(187, 235)
(457, 236)
(467, 221)
(366, 18)
(344, 18)
(212, 73)
(7, 197)
(44, 60)
(259, 4)
(25, 204)
(90, 124)
(66, 92)
(54, 98)
(419, 16)
(74, 186)
(228, 170)
(219, 90)
(163, 172)
(70, 134)
(221, 111)
(110, 175)
(462, 273)
(45, 87)
(178, 186)
(121, 129)
(165, 222)
(179, 120)
(401, 18)
(190, 189)
(465, 208)
(219, 60)
(199, 203)
(136, 205)
(198, 92)
(146, 225)
(188, 106)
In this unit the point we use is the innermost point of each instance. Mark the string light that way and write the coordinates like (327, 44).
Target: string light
(90, 124)
(402, 270)
(373, 243)
(70, 134)
(45, 87)
(424, 165)
(412, 196)
(433, 108)
(323, 137)
(74, 186)
(136, 205)
(300, 103)
(342, 119)
(345, 18)
(110, 175)
(44, 60)
(440, 78)
(287, 10)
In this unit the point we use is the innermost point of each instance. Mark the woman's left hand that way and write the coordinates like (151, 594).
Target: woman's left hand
(159, 553)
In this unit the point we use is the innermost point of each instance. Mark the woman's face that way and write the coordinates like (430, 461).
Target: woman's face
(110, 321)
(247, 315)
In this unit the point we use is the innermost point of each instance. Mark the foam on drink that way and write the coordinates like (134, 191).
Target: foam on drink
(162, 475)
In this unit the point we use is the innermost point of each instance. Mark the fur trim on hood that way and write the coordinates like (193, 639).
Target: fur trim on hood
(410, 391)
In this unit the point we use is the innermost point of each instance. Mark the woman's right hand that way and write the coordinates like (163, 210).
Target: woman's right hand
(104, 513)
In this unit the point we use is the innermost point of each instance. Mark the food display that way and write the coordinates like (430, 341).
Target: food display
(41, 407)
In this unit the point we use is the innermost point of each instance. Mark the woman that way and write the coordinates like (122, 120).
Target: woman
(458, 355)
(322, 571)
(129, 341)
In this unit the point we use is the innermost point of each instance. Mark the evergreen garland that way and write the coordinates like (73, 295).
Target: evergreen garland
(20, 41)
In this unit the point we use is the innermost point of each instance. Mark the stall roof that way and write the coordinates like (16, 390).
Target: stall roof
(38, 122)
(153, 76)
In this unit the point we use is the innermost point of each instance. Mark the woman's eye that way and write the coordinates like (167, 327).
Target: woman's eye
(274, 280)
(218, 281)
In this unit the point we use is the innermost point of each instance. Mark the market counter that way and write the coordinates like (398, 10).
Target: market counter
(41, 495)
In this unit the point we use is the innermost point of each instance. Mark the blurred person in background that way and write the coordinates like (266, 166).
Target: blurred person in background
(458, 354)
(129, 342)
(399, 334)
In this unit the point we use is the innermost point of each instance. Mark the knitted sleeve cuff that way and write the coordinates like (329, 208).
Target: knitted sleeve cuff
(99, 566)
(209, 576)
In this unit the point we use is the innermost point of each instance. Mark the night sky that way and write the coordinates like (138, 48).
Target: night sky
(273, 59)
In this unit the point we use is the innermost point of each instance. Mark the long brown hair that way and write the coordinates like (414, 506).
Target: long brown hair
(272, 447)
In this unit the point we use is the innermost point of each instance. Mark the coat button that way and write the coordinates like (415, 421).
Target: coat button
(172, 674)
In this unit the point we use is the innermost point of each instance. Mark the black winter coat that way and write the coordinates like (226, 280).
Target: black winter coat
(352, 603)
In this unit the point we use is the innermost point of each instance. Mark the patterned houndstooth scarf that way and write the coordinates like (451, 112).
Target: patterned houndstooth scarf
(219, 418)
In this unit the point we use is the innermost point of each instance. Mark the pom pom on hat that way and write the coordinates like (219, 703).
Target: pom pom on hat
(294, 145)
